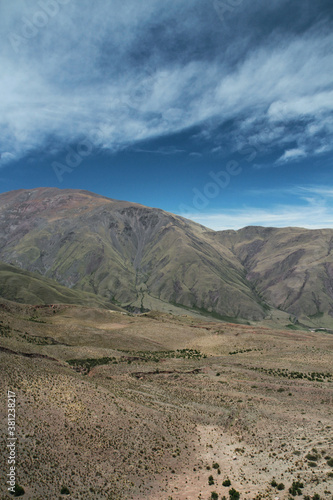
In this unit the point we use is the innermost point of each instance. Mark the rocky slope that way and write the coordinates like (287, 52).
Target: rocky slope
(146, 258)
(291, 267)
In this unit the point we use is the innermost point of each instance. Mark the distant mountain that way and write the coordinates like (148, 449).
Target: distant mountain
(145, 258)
(292, 268)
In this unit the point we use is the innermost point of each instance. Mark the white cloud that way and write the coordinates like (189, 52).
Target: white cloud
(301, 106)
(80, 73)
(292, 154)
(6, 157)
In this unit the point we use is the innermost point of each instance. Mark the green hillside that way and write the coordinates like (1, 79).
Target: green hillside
(30, 288)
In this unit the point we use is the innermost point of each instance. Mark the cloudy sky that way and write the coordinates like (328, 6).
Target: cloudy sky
(218, 110)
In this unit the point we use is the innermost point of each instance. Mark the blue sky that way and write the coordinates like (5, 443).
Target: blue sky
(218, 110)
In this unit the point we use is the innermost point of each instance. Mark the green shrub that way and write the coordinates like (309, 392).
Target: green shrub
(280, 486)
(296, 488)
(210, 480)
(274, 483)
(233, 494)
(65, 491)
(19, 491)
(216, 466)
(311, 457)
(226, 482)
(330, 462)
(214, 495)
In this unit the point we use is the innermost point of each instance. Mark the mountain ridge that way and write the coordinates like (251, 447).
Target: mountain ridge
(144, 258)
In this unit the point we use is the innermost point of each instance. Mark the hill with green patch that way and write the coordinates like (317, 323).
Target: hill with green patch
(30, 288)
(145, 258)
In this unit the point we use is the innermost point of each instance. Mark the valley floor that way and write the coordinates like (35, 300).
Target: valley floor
(115, 406)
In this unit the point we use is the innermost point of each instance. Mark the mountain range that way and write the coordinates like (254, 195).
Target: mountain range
(124, 254)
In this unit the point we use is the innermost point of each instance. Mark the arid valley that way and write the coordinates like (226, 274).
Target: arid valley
(158, 406)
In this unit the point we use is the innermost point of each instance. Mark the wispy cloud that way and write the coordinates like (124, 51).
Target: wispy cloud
(312, 209)
(292, 154)
(169, 150)
(322, 193)
(278, 216)
(130, 70)
(325, 192)
(6, 157)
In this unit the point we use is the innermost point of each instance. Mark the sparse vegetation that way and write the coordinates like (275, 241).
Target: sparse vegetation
(142, 408)
(241, 351)
(35, 319)
(36, 339)
(4, 330)
(85, 365)
(291, 326)
(156, 356)
(284, 372)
